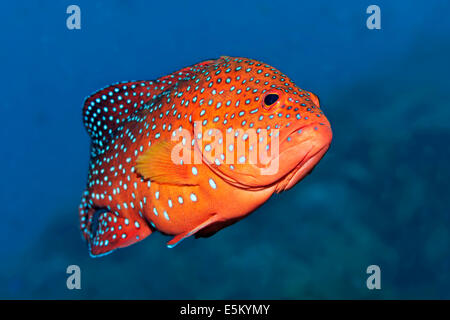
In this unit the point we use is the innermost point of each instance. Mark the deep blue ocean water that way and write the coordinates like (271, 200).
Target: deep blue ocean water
(380, 196)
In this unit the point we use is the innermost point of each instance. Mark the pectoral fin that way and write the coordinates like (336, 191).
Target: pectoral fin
(157, 164)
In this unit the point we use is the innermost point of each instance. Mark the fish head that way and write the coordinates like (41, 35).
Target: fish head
(267, 131)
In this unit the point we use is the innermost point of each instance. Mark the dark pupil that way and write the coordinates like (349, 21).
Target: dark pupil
(270, 99)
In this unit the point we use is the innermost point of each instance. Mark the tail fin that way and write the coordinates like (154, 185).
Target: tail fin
(106, 230)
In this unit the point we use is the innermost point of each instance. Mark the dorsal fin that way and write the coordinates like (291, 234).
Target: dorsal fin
(107, 108)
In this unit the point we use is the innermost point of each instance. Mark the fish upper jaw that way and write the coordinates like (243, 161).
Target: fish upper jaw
(301, 150)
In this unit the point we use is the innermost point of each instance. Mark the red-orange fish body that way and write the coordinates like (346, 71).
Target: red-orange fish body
(195, 151)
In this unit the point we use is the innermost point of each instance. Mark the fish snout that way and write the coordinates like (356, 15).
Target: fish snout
(306, 139)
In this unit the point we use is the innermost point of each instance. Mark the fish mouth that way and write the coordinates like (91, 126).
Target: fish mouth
(298, 151)
(303, 169)
(305, 152)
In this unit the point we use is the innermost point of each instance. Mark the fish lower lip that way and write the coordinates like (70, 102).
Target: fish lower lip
(309, 161)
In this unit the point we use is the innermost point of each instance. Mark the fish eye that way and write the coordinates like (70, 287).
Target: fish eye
(270, 99)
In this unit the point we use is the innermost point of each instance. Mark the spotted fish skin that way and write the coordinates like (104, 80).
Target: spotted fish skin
(134, 187)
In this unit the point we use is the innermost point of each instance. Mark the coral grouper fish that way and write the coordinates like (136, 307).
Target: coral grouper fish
(194, 151)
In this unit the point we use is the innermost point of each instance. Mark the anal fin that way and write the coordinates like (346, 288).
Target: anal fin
(178, 238)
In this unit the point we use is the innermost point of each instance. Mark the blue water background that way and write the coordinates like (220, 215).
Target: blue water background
(380, 195)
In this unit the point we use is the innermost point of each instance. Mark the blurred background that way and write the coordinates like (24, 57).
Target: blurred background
(380, 196)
